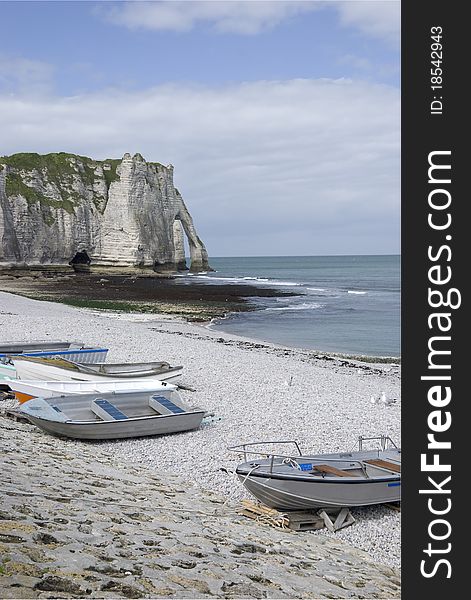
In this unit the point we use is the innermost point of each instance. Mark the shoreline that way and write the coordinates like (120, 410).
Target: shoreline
(197, 313)
(318, 353)
(257, 390)
(195, 302)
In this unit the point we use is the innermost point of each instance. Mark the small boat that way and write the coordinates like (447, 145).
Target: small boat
(60, 369)
(27, 389)
(305, 482)
(75, 351)
(114, 416)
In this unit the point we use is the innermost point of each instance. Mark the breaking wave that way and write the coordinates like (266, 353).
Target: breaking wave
(303, 306)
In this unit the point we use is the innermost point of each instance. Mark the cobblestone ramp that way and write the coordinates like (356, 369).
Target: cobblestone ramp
(77, 524)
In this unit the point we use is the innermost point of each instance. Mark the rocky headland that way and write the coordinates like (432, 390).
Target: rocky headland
(122, 213)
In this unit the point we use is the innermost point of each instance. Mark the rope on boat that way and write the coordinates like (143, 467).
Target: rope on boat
(243, 483)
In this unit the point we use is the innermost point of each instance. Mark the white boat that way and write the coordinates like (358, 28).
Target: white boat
(311, 481)
(27, 389)
(52, 369)
(74, 351)
(114, 416)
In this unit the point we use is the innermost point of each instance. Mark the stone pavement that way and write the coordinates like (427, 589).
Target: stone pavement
(74, 523)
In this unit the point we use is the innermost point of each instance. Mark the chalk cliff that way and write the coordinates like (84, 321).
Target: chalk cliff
(123, 213)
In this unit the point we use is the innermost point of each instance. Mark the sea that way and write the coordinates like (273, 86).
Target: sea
(344, 304)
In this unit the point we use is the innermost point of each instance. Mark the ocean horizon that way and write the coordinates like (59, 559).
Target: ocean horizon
(348, 304)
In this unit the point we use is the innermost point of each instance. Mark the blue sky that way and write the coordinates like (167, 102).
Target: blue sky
(268, 110)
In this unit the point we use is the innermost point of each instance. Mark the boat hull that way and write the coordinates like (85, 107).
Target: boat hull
(81, 355)
(7, 371)
(284, 494)
(32, 370)
(27, 390)
(112, 430)
(22, 397)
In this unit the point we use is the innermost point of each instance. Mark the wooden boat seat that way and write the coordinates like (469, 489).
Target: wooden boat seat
(332, 471)
(107, 411)
(384, 464)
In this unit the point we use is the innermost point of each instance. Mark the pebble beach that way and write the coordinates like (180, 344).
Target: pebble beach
(257, 391)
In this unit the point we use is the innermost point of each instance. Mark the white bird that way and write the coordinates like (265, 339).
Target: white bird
(386, 401)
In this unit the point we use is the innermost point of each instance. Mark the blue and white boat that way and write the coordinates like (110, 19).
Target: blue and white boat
(73, 351)
(114, 415)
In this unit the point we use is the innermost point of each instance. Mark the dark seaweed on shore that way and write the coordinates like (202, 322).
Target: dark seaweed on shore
(194, 301)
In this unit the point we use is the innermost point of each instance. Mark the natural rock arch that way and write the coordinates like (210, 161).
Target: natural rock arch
(198, 253)
(126, 213)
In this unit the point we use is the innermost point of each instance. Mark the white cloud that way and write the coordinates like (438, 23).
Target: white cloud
(270, 167)
(19, 74)
(247, 17)
(235, 16)
(376, 18)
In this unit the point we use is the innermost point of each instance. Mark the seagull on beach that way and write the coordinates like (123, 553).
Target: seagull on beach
(382, 399)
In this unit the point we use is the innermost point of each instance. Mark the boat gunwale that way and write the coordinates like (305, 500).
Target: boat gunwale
(51, 352)
(315, 479)
(35, 384)
(97, 369)
(121, 421)
(19, 348)
(94, 422)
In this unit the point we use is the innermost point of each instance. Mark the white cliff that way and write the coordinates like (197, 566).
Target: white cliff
(123, 213)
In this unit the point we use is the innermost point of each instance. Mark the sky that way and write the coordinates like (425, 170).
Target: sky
(281, 118)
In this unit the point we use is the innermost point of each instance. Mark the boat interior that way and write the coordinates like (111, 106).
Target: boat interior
(329, 469)
(107, 407)
(118, 370)
(384, 461)
(20, 347)
(129, 368)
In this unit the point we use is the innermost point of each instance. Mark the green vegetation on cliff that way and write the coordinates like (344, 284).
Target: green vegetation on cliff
(15, 186)
(110, 173)
(61, 170)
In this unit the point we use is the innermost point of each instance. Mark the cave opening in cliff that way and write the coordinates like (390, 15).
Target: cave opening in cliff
(81, 261)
